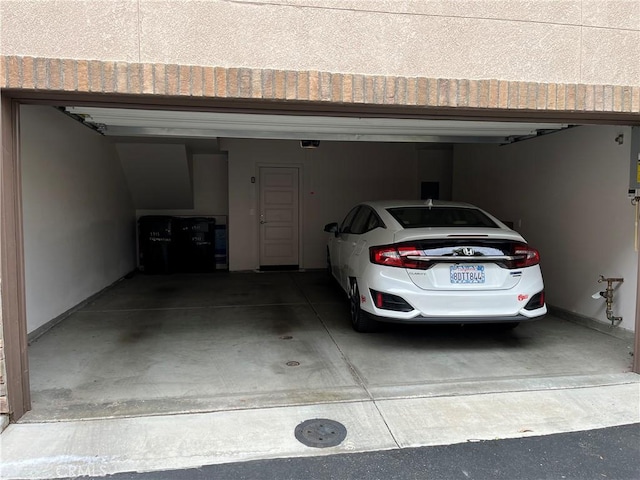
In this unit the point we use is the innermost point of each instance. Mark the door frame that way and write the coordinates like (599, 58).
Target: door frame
(299, 167)
(12, 274)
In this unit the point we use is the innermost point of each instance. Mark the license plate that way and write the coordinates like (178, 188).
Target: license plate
(462, 274)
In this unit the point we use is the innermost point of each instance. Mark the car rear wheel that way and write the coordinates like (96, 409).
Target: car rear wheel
(360, 321)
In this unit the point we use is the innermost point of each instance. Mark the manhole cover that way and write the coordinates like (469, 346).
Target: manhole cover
(286, 337)
(293, 363)
(321, 433)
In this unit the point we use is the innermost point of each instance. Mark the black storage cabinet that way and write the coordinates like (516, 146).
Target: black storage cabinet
(221, 246)
(194, 244)
(155, 243)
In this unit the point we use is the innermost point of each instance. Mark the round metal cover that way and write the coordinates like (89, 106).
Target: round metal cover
(321, 433)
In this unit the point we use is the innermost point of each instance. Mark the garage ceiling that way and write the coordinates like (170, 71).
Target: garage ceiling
(166, 123)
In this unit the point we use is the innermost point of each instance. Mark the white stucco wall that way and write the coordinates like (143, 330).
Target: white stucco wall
(159, 175)
(210, 188)
(567, 194)
(565, 41)
(335, 177)
(79, 221)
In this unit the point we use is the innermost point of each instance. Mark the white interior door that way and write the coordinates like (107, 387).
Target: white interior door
(279, 216)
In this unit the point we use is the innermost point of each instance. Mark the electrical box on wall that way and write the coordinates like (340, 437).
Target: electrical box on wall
(634, 171)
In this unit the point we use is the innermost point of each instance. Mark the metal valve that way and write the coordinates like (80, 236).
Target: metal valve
(607, 294)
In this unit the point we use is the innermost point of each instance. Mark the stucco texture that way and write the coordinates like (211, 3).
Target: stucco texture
(559, 41)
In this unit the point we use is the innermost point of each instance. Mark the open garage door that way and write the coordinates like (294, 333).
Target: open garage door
(154, 123)
(184, 343)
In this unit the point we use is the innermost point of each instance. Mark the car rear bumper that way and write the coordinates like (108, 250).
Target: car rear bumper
(453, 320)
(450, 306)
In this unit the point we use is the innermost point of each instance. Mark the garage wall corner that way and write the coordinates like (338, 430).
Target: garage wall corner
(566, 193)
(79, 219)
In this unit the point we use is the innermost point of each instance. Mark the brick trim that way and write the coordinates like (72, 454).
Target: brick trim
(83, 76)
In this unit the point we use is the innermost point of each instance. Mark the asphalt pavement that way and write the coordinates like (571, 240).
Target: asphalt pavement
(609, 453)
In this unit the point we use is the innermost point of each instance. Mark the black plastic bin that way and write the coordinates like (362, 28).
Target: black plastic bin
(221, 246)
(155, 242)
(194, 240)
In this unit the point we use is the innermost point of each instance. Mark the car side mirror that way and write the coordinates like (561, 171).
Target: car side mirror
(331, 228)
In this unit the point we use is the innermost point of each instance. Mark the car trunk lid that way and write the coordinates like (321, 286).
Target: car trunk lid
(460, 260)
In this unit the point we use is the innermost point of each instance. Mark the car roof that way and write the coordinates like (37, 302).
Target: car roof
(384, 204)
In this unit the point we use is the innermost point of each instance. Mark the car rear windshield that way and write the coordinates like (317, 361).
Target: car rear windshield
(423, 217)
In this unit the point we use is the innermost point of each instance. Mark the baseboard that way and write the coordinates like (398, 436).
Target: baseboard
(41, 330)
(592, 323)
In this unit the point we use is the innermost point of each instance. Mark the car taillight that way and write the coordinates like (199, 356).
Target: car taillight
(398, 256)
(525, 256)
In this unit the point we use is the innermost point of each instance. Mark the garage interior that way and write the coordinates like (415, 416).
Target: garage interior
(106, 342)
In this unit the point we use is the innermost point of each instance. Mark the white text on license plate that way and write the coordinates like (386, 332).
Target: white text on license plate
(461, 274)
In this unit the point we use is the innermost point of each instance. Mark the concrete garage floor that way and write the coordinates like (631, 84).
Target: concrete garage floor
(174, 344)
(219, 349)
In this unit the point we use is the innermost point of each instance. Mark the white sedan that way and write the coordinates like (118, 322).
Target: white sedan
(433, 262)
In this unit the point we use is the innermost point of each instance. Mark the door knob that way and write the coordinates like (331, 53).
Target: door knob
(262, 222)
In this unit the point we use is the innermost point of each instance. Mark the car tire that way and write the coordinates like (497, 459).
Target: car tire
(360, 321)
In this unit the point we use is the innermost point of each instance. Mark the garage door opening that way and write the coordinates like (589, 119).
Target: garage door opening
(154, 344)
